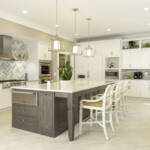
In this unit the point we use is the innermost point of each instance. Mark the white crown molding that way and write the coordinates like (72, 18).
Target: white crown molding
(29, 24)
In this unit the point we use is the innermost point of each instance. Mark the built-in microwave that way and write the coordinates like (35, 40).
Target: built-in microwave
(45, 68)
(111, 74)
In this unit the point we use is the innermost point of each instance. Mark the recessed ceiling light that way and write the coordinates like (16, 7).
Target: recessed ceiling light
(148, 24)
(108, 30)
(24, 11)
(146, 9)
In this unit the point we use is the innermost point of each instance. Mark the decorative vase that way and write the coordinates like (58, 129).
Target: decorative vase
(48, 84)
(66, 83)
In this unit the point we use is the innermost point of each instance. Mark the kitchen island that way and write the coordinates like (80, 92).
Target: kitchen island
(51, 110)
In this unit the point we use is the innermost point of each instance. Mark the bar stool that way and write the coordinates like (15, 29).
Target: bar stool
(116, 101)
(104, 105)
(125, 91)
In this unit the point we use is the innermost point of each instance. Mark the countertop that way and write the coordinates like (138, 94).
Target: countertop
(75, 86)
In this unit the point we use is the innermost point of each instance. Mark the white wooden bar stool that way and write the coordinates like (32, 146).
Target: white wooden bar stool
(104, 105)
(126, 88)
(116, 101)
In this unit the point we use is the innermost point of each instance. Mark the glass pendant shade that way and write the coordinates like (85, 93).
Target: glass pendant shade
(89, 52)
(76, 49)
(56, 45)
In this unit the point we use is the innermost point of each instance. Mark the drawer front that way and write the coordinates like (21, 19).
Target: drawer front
(26, 98)
(25, 123)
(25, 110)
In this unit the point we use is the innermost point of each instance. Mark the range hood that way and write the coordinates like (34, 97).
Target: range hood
(12, 49)
(5, 47)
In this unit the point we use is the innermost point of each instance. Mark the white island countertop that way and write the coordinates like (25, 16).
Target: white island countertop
(75, 86)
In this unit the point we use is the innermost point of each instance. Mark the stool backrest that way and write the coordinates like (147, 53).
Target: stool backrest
(117, 89)
(108, 95)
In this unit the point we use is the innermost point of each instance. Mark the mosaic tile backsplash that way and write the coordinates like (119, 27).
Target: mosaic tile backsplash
(12, 70)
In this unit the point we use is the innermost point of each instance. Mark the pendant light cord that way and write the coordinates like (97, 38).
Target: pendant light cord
(56, 18)
(88, 19)
(75, 22)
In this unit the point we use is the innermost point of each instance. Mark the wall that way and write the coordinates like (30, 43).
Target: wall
(15, 29)
(32, 64)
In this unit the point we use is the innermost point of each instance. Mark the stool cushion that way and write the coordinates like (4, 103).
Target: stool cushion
(94, 104)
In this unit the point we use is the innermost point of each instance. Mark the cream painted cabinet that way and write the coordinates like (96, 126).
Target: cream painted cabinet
(112, 48)
(44, 53)
(139, 88)
(135, 59)
(5, 97)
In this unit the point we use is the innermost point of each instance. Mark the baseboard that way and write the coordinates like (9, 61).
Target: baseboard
(5, 107)
(138, 98)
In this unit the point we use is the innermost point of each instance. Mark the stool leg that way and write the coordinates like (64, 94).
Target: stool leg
(104, 125)
(116, 113)
(111, 121)
(91, 117)
(80, 120)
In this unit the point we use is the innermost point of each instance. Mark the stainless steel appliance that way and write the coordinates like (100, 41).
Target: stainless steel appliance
(112, 74)
(138, 75)
(45, 68)
(10, 83)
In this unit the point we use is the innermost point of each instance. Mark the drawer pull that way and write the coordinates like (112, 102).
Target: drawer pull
(29, 93)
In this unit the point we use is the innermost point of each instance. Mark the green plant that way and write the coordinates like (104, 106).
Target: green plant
(111, 65)
(66, 71)
(129, 76)
(132, 44)
(146, 45)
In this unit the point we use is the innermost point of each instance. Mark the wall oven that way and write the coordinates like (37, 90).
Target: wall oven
(45, 68)
(111, 74)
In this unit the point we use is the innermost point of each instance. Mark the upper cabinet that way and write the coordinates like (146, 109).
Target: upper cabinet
(135, 54)
(112, 48)
(43, 49)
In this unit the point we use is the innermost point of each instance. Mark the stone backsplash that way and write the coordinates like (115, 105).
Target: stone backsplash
(12, 70)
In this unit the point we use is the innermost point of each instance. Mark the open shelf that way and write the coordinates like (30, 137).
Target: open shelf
(132, 44)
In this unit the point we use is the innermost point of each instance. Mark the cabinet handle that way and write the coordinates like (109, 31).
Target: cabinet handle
(30, 93)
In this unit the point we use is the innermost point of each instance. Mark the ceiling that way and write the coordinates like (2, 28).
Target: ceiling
(122, 16)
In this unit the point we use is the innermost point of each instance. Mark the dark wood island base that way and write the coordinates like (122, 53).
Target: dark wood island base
(49, 113)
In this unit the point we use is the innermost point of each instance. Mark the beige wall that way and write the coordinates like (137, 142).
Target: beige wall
(17, 29)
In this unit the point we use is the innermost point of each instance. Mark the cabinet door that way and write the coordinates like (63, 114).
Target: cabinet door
(113, 48)
(144, 59)
(126, 60)
(5, 98)
(44, 53)
(134, 90)
(46, 113)
(145, 89)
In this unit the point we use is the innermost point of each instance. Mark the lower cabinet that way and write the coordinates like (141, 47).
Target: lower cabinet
(139, 88)
(39, 112)
(46, 113)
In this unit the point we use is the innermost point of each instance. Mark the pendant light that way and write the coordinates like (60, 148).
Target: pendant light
(76, 47)
(89, 51)
(56, 44)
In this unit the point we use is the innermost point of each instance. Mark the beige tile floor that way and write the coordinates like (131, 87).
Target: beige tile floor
(133, 133)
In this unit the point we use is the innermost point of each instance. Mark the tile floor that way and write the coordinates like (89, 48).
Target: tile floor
(133, 133)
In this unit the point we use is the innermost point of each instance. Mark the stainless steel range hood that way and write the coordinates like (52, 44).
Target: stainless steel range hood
(12, 49)
(6, 48)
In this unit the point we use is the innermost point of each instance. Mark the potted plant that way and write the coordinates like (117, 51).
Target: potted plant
(132, 44)
(66, 74)
(111, 65)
